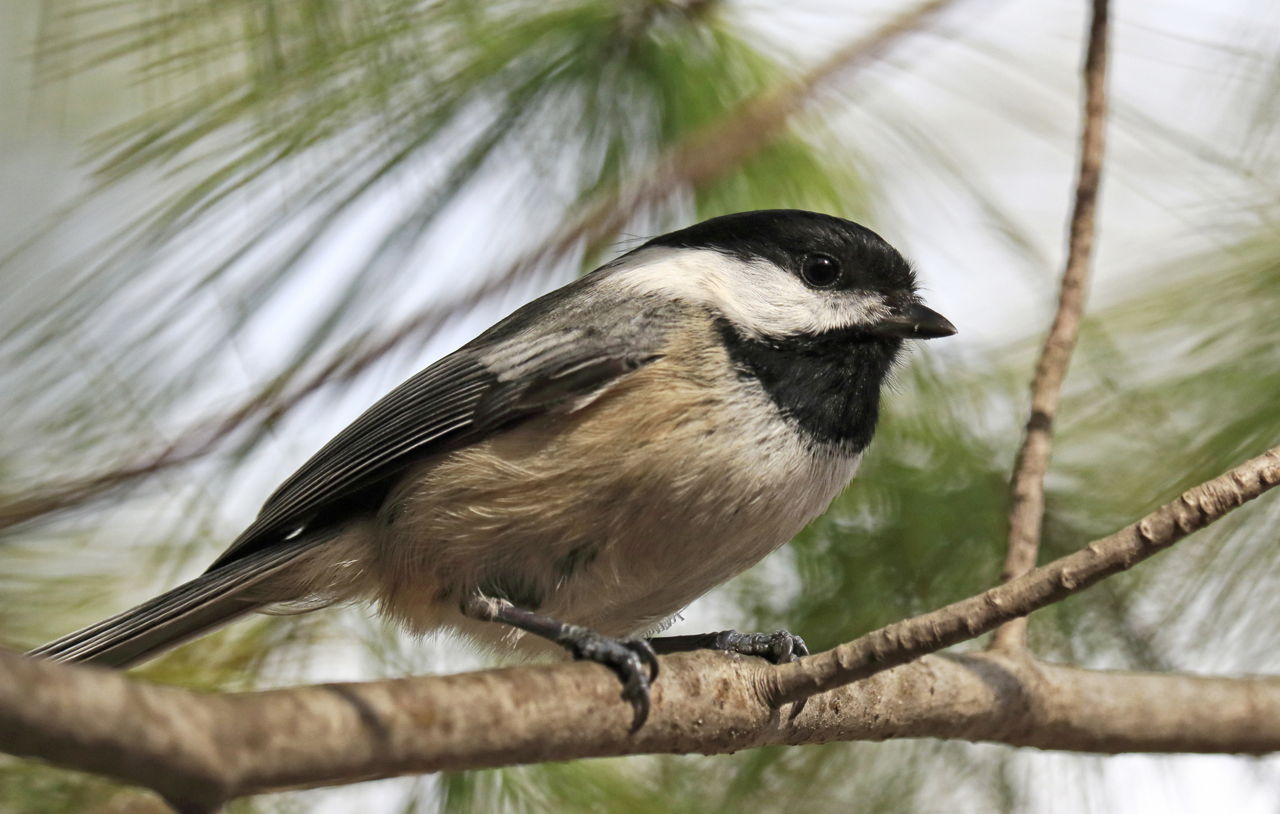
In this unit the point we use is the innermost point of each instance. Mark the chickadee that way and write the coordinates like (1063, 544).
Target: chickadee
(591, 464)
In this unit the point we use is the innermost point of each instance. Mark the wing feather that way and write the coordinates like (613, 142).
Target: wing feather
(466, 396)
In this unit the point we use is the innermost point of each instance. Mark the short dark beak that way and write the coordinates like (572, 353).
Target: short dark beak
(914, 321)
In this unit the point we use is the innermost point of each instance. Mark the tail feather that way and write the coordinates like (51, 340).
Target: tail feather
(206, 602)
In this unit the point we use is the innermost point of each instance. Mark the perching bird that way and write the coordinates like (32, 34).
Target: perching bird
(591, 464)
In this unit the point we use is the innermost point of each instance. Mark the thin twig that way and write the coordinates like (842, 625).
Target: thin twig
(200, 750)
(701, 158)
(901, 642)
(1026, 486)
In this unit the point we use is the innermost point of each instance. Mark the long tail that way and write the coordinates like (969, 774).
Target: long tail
(206, 602)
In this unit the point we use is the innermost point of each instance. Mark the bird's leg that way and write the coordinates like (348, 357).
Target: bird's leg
(632, 659)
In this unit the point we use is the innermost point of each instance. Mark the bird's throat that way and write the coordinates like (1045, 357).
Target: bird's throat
(828, 384)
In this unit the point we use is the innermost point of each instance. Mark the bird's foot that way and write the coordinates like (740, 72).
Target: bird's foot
(779, 647)
(632, 659)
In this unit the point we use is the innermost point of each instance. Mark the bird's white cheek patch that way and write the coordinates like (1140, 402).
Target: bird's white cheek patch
(760, 298)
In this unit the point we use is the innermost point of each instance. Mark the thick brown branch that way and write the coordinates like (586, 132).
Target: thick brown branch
(1026, 486)
(700, 159)
(199, 750)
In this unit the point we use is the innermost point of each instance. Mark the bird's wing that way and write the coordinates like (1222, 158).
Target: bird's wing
(501, 378)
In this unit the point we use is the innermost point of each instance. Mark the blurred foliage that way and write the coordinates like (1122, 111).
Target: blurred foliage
(277, 123)
(270, 180)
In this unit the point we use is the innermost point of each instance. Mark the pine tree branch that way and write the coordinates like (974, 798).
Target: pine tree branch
(199, 750)
(1026, 486)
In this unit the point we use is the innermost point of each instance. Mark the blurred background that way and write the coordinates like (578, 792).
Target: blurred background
(227, 227)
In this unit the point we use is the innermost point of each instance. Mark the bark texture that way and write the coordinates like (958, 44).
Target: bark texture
(200, 750)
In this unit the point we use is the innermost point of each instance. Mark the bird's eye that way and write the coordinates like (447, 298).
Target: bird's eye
(820, 271)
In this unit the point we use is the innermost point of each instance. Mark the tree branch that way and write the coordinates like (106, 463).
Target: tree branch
(701, 158)
(199, 750)
(1026, 486)
(960, 621)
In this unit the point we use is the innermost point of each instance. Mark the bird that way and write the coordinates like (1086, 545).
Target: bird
(576, 475)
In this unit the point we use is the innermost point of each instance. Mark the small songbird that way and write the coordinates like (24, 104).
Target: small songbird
(587, 467)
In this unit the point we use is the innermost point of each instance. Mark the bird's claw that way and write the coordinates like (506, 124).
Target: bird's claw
(779, 647)
(632, 659)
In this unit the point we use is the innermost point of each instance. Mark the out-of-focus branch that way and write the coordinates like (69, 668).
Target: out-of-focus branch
(703, 157)
(200, 750)
(1026, 486)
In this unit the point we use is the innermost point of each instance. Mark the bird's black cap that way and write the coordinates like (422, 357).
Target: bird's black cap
(786, 237)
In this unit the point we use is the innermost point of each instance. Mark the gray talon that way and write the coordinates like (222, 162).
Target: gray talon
(779, 647)
(632, 659)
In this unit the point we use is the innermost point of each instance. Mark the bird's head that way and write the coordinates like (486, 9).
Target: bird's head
(813, 307)
(787, 273)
